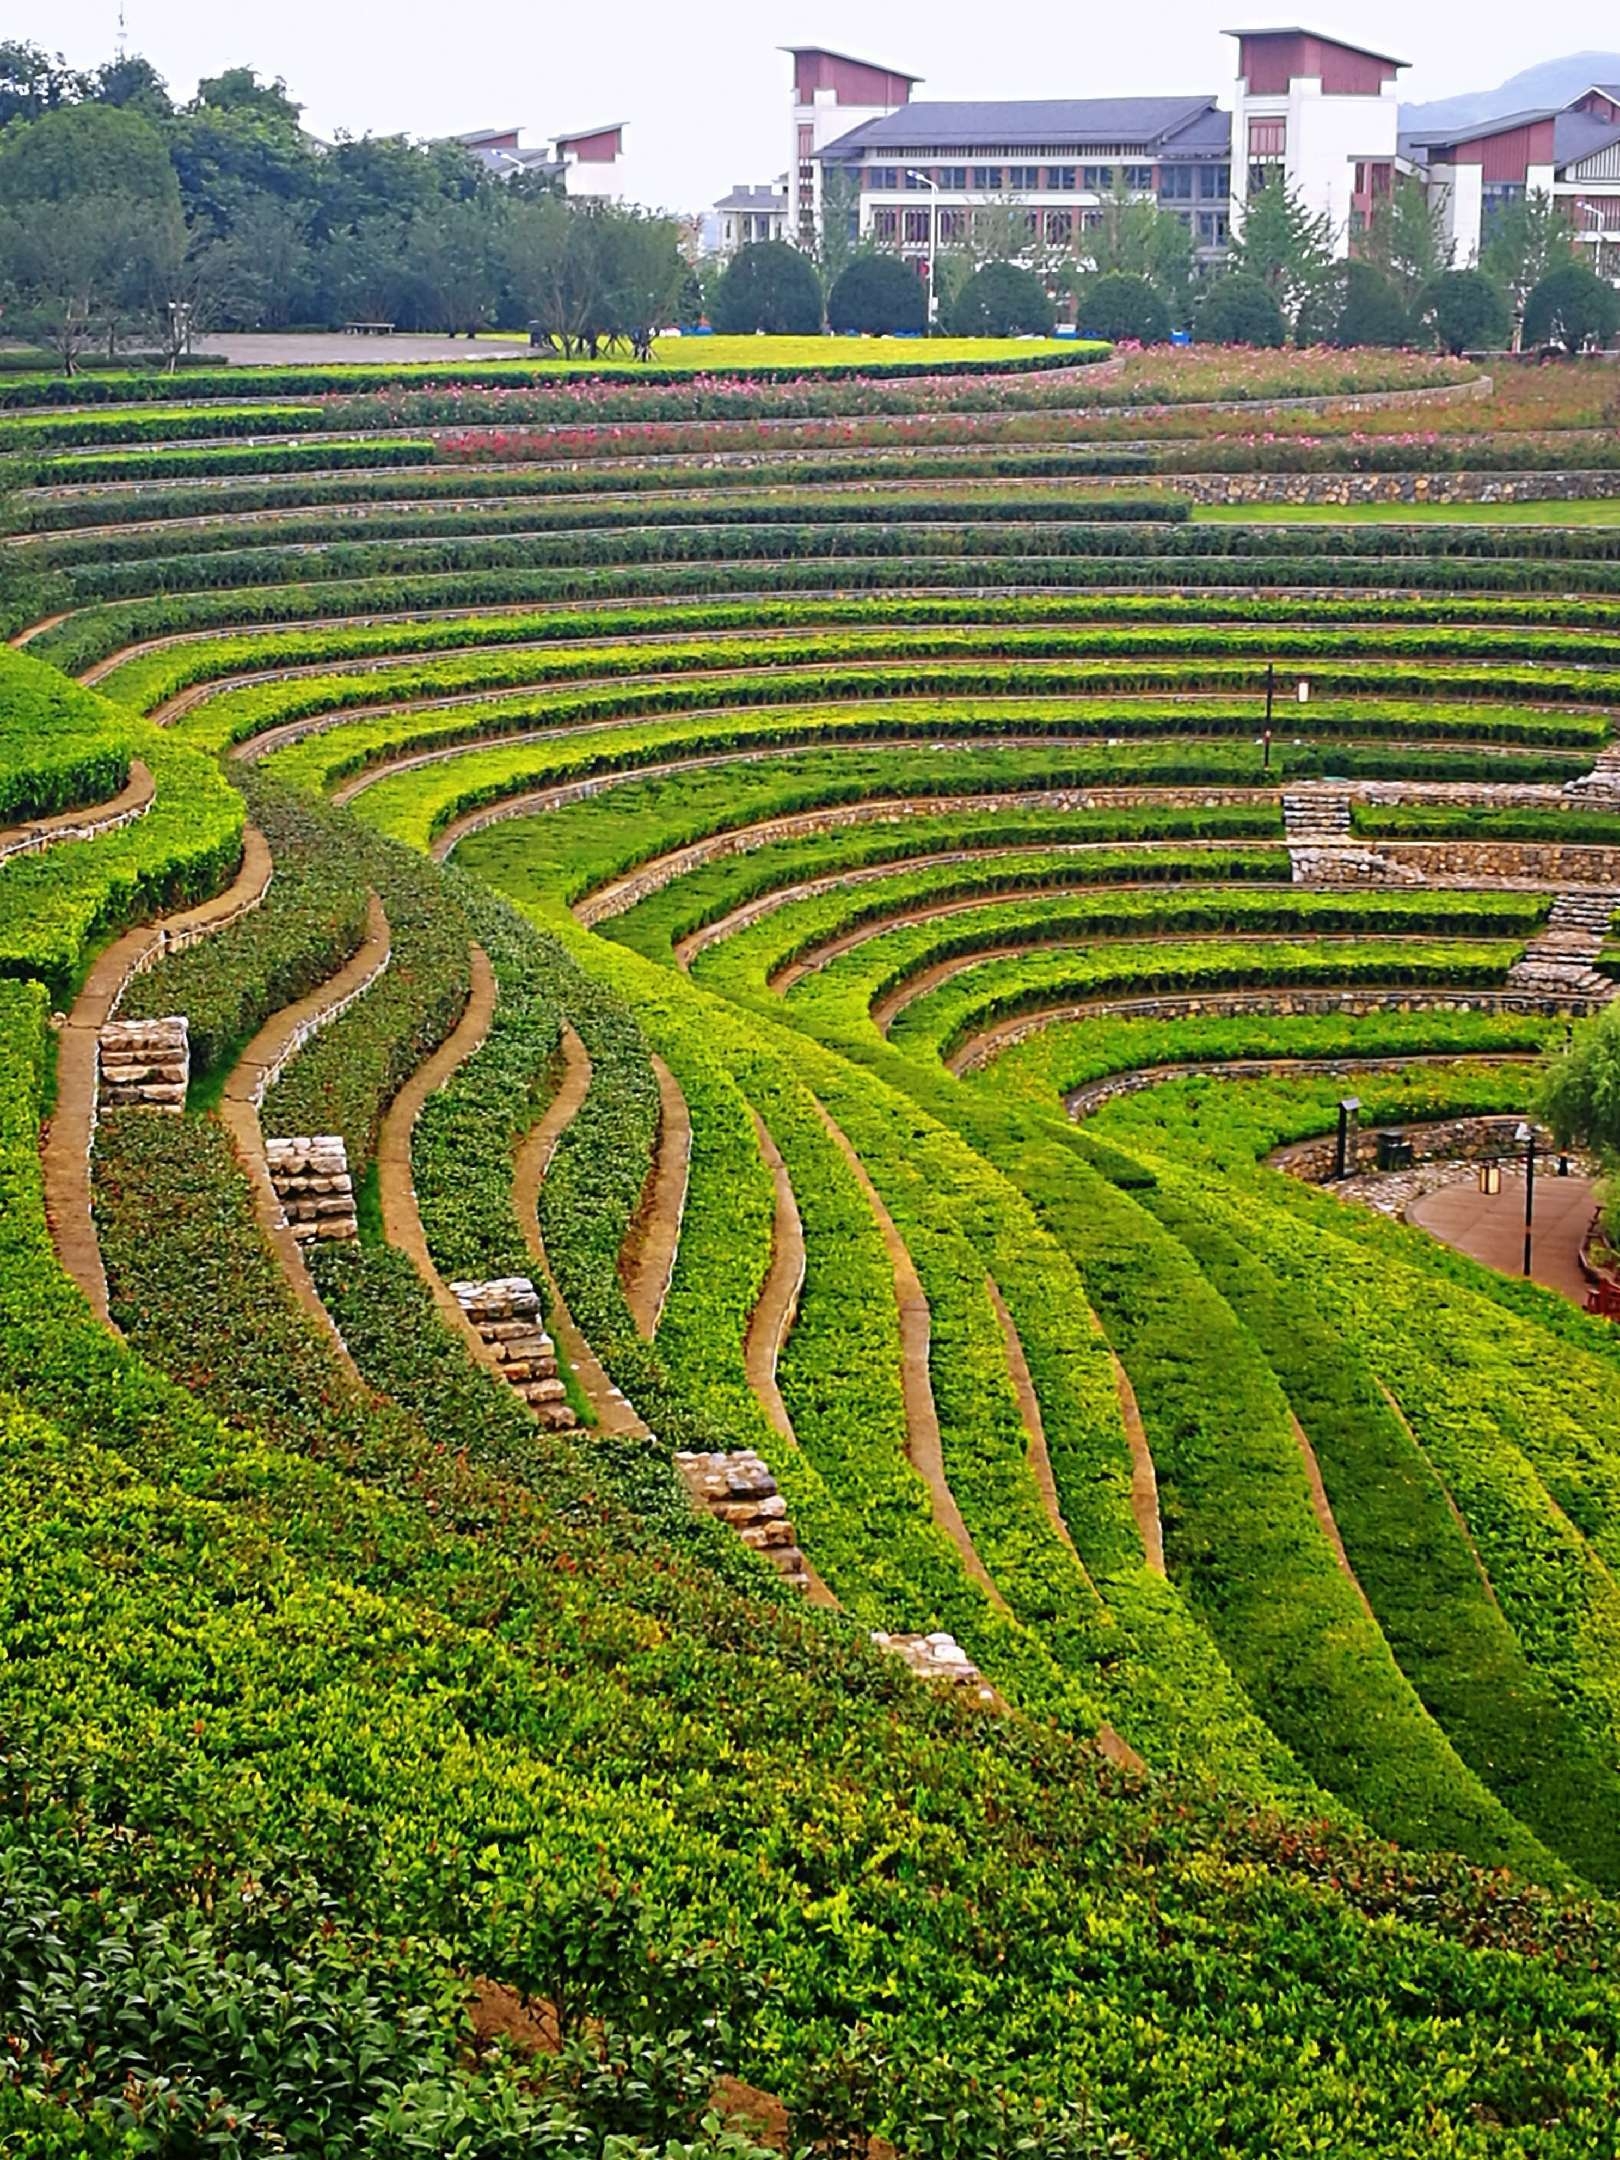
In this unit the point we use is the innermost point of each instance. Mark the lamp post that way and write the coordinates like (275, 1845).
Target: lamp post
(924, 180)
(1347, 1110)
(1526, 1137)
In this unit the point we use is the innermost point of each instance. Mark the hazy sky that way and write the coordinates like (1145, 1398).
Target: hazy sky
(702, 88)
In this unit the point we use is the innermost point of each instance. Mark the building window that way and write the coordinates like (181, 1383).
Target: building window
(1139, 176)
(914, 180)
(1176, 183)
(885, 224)
(1098, 178)
(1025, 177)
(1212, 228)
(1214, 182)
(987, 176)
(952, 225)
(916, 225)
(955, 178)
(882, 176)
(1060, 227)
(1268, 138)
(1063, 177)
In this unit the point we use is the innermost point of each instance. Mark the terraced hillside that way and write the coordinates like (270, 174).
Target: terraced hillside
(686, 1415)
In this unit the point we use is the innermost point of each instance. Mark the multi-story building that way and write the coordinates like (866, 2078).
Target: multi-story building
(1571, 154)
(745, 215)
(1316, 111)
(582, 164)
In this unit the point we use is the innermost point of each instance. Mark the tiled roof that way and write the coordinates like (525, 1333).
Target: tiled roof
(1429, 138)
(1322, 37)
(754, 198)
(1578, 135)
(1139, 122)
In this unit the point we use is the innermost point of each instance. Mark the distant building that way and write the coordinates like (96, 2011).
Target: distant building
(1571, 154)
(1317, 112)
(584, 164)
(745, 215)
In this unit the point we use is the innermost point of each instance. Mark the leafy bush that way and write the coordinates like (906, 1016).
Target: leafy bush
(1239, 309)
(1123, 309)
(768, 286)
(1572, 307)
(1001, 300)
(878, 295)
(1467, 311)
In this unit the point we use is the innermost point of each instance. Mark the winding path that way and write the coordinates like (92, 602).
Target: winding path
(647, 1261)
(70, 1133)
(774, 1311)
(255, 1073)
(1029, 1405)
(1144, 1478)
(923, 1443)
(1322, 1509)
(90, 822)
(610, 1411)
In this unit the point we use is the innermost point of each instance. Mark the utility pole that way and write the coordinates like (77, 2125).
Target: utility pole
(933, 233)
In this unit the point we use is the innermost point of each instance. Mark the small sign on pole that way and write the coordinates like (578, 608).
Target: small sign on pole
(1304, 693)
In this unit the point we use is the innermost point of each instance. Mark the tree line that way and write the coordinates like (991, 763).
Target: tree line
(127, 220)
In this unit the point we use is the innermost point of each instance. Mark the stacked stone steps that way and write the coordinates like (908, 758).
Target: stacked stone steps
(144, 1064)
(939, 1659)
(506, 1315)
(1316, 816)
(1602, 784)
(738, 1489)
(1559, 960)
(310, 1174)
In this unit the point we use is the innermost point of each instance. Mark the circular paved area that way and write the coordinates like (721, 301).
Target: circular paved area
(1490, 1226)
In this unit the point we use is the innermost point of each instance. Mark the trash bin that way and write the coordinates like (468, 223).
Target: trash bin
(1394, 1151)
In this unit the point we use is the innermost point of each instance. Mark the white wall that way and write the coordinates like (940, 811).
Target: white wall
(828, 120)
(1325, 138)
(1461, 191)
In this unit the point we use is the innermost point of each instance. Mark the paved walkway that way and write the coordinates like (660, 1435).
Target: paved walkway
(1490, 1226)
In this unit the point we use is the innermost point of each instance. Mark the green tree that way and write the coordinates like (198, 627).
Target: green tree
(1239, 309)
(80, 150)
(67, 269)
(33, 81)
(878, 294)
(641, 271)
(840, 239)
(1123, 309)
(1577, 1091)
(1466, 311)
(452, 247)
(1572, 307)
(1528, 238)
(1136, 238)
(1405, 242)
(1001, 300)
(1284, 245)
(768, 286)
(1357, 305)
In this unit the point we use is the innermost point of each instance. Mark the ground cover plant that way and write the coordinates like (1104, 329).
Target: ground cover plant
(893, 916)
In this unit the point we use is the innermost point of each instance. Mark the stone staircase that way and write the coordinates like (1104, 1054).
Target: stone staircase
(1558, 962)
(1316, 816)
(144, 1064)
(738, 1489)
(1317, 828)
(506, 1315)
(1601, 785)
(310, 1174)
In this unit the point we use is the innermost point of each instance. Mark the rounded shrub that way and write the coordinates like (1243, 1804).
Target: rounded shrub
(1124, 309)
(1466, 312)
(879, 295)
(1572, 307)
(1370, 310)
(1001, 300)
(1239, 310)
(768, 286)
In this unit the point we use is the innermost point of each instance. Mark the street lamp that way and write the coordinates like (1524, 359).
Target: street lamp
(1347, 1110)
(1526, 1137)
(932, 186)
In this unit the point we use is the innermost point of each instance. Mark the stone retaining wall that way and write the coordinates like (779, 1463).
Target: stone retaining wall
(939, 1658)
(1218, 489)
(311, 1178)
(738, 1489)
(1468, 1139)
(1217, 1005)
(506, 1314)
(1543, 862)
(1084, 1102)
(144, 1064)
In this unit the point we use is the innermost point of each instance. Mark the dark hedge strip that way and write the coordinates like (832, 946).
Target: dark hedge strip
(96, 632)
(221, 461)
(344, 1080)
(1414, 1562)
(431, 522)
(358, 378)
(461, 1155)
(312, 920)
